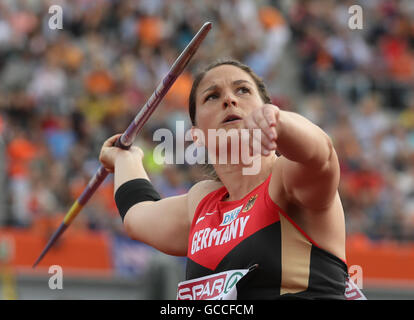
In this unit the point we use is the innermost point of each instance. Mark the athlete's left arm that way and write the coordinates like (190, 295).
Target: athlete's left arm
(308, 163)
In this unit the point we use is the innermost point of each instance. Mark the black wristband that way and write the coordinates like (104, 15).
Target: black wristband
(133, 192)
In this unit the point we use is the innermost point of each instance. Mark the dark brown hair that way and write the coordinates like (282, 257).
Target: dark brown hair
(257, 80)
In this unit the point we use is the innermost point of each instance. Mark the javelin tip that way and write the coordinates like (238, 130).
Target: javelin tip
(52, 240)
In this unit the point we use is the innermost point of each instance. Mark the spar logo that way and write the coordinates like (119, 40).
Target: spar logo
(218, 286)
(208, 288)
(231, 282)
(230, 216)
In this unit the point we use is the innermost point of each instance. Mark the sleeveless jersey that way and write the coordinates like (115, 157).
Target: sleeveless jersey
(227, 235)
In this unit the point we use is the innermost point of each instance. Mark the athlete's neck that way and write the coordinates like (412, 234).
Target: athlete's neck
(237, 182)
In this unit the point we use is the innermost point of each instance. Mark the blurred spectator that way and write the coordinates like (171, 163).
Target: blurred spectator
(171, 182)
(20, 153)
(63, 92)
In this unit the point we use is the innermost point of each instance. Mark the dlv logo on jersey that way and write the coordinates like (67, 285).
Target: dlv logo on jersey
(230, 216)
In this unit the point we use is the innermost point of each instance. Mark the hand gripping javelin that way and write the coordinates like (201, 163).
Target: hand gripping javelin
(127, 138)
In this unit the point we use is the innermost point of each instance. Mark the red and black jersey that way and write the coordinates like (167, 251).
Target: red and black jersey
(227, 235)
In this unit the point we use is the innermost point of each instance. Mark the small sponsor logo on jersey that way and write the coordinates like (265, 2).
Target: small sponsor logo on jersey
(250, 203)
(230, 216)
(206, 214)
(199, 219)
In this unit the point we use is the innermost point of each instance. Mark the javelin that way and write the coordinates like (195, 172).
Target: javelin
(127, 138)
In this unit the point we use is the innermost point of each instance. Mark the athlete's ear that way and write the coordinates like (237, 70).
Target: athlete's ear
(198, 136)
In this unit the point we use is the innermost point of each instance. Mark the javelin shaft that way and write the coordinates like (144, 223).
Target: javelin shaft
(177, 68)
(127, 138)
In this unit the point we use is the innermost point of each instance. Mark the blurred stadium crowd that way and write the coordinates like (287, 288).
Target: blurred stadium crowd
(63, 92)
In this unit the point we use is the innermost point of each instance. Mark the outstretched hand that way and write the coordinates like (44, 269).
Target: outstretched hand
(266, 119)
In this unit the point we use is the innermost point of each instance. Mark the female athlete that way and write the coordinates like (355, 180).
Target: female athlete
(284, 224)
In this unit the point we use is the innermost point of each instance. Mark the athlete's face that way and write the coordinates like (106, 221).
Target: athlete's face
(224, 97)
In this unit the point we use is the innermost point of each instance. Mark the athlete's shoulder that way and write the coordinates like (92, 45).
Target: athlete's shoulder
(199, 190)
(202, 188)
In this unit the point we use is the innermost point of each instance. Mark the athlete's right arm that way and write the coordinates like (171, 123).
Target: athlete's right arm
(163, 224)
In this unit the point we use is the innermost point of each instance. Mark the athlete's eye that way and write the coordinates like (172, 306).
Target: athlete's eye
(211, 97)
(243, 90)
